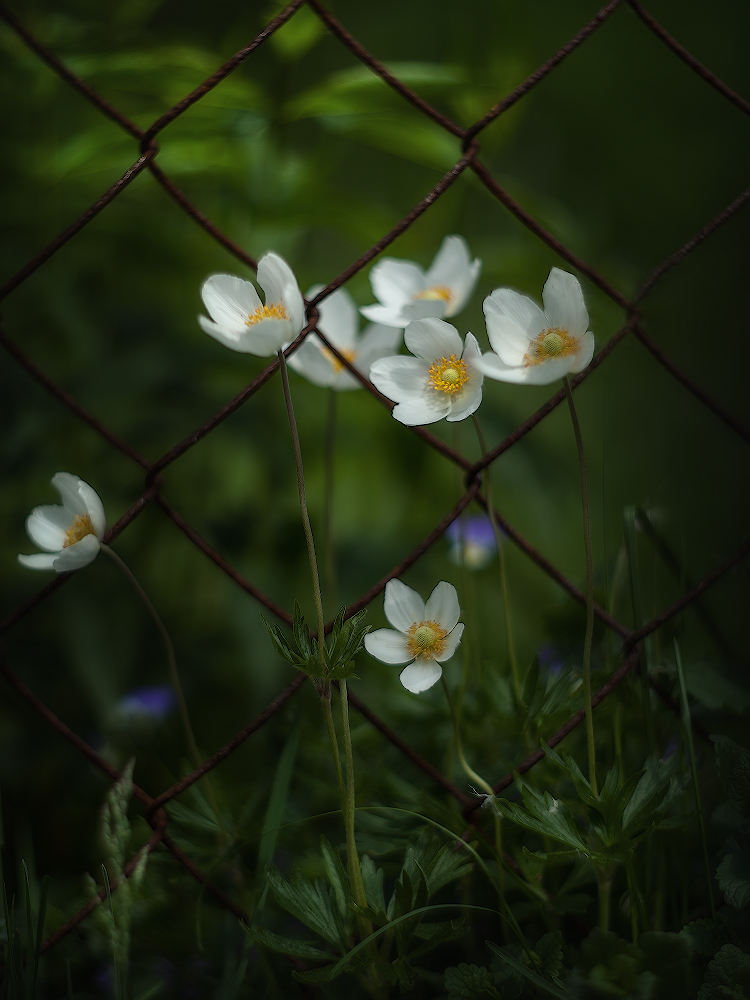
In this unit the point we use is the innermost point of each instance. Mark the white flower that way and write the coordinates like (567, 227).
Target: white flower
(538, 347)
(339, 322)
(70, 535)
(406, 293)
(240, 321)
(443, 380)
(427, 634)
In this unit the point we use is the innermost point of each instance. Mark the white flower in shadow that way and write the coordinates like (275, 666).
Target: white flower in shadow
(69, 534)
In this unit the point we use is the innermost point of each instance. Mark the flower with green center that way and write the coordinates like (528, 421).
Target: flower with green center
(338, 321)
(443, 380)
(534, 346)
(70, 534)
(241, 322)
(405, 292)
(424, 635)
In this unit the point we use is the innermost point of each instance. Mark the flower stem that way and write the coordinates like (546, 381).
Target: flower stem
(355, 872)
(171, 659)
(325, 701)
(501, 563)
(330, 453)
(589, 590)
(303, 511)
(175, 677)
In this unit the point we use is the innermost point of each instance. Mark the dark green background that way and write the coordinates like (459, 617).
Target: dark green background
(622, 152)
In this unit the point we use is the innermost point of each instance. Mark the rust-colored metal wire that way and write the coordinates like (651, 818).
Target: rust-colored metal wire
(146, 152)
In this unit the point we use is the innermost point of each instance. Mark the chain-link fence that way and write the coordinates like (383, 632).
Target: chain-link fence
(147, 160)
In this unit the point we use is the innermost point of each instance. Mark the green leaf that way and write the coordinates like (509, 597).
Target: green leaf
(552, 988)
(464, 982)
(301, 633)
(706, 936)
(733, 876)
(432, 935)
(372, 878)
(277, 803)
(734, 771)
(728, 976)
(549, 952)
(543, 814)
(307, 901)
(289, 946)
(282, 646)
(446, 866)
(336, 876)
(648, 796)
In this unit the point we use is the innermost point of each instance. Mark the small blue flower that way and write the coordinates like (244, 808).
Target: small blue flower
(153, 703)
(472, 541)
(551, 660)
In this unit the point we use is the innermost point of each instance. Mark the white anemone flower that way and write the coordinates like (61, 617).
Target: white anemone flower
(443, 380)
(69, 534)
(538, 347)
(423, 635)
(339, 322)
(406, 292)
(239, 319)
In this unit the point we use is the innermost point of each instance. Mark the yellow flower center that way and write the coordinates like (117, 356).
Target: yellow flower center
(334, 361)
(436, 293)
(275, 311)
(448, 374)
(552, 343)
(80, 527)
(426, 640)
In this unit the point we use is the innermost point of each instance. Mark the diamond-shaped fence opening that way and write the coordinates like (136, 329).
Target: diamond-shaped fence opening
(146, 159)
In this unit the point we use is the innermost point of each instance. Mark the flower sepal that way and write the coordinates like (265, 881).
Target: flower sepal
(346, 640)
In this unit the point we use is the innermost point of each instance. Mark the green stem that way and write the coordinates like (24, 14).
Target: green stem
(501, 564)
(330, 452)
(325, 701)
(628, 517)
(588, 639)
(355, 872)
(171, 659)
(318, 598)
(694, 769)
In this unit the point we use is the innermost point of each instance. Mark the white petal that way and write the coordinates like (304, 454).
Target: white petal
(451, 642)
(418, 412)
(67, 485)
(338, 319)
(267, 337)
(388, 646)
(491, 366)
(396, 282)
(454, 269)
(385, 315)
(308, 360)
(78, 555)
(39, 560)
(431, 339)
(418, 677)
(94, 507)
(399, 378)
(376, 342)
(512, 321)
(277, 280)
(47, 526)
(423, 309)
(442, 606)
(402, 605)
(229, 300)
(467, 401)
(563, 303)
(584, 354)
(235, 340)
(548, 371)
(542, 374)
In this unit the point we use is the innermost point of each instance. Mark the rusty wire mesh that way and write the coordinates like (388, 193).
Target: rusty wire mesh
(148, 151)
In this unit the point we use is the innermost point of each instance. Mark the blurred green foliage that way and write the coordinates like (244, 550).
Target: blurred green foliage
(622, 153)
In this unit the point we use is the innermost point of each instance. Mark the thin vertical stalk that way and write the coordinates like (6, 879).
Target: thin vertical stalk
(588, 638)
(171, 659)
(694, 769)
(355, 872)
(515, 673)
(328, 535)
(317, 596)
(325, 701)
(628, 517)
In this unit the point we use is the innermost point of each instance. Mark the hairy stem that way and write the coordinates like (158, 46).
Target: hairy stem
(501, 564)
(317, 596)
(587, 642)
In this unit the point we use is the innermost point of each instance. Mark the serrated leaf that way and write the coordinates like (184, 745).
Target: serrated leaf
(465, 982)
(706, 936)
(552, 988)
(734, 771)
(550, 954)
(728, 976)
(336, 875)
(649, 794)
(308, 901)
(733, 876)
(301, 633)
(372, 879)
(545, 815)
(446, 866)
(289, 946)
(432, 935)
(282, 646)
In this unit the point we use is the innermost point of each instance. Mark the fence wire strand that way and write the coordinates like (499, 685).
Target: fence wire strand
(469, 160)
